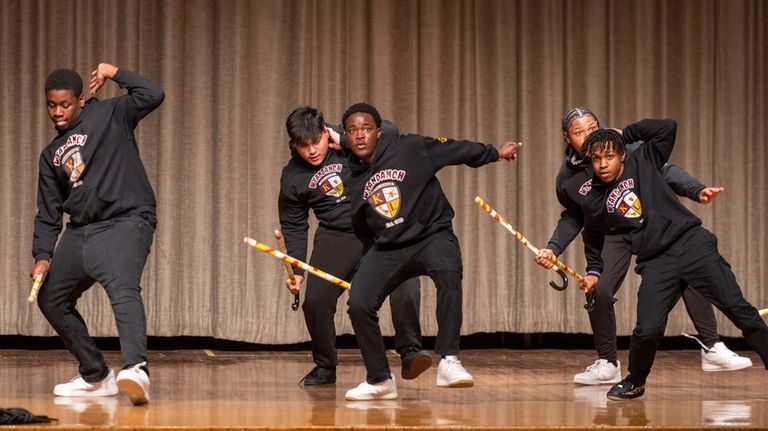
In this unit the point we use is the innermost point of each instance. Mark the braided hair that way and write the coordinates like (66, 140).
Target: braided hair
(603, 139)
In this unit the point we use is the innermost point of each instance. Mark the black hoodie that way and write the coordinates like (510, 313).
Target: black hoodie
(398, 199)
(93, 170)
(323, 189)
(639, 204)
(575, 176)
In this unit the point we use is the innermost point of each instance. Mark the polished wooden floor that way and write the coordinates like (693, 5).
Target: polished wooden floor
(524, 389)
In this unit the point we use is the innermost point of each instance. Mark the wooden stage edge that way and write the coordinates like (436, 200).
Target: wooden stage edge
(526, 389)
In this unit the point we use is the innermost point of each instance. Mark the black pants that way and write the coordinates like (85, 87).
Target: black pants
(381, 271)
(616, 259)
(112, 253)
(339, 253)
(692, 260)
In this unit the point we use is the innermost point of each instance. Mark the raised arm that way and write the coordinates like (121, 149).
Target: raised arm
(143, 95)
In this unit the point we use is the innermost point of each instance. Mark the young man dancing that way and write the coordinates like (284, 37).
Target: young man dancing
(316, 179)
(574, 174)
(398, 200)
(629, 197)
(92, 171)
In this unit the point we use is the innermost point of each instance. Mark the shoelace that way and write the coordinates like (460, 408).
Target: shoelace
(709, 350)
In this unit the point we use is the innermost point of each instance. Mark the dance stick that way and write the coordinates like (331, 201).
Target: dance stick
(764, 312)
(297, 263)
(35, 288)
(496, 216)
(288, 269)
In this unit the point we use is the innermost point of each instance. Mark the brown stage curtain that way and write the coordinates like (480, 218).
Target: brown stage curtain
(483, 70)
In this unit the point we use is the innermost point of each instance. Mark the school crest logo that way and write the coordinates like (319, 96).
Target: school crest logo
(385, 199)
(332, 186)
(328, 180)
(70, 157)
(630, 206)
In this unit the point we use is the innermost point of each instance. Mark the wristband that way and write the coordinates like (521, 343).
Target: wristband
(595, 273)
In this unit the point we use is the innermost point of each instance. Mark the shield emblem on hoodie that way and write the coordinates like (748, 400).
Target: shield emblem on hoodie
(386, 201)
(332, 186)
(630, 206)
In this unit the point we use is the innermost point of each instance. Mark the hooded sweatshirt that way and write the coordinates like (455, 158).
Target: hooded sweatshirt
(397, 199)
(93, 170)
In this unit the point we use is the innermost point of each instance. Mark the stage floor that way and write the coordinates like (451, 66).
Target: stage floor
(531, 389)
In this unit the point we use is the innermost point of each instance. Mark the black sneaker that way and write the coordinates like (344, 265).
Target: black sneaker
(414, 363)
(320, 376)
(625, 390)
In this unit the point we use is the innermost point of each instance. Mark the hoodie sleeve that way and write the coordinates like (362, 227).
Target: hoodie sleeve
(681, 182)
(570, 223)
(294, 223)
(48, 220)
(446, 152)
(593, 249)
(142, 98)
(659, 138)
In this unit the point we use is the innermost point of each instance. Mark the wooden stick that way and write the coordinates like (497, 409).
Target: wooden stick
(496, 216)
(35, 288)
(288, 269)
(297, 263)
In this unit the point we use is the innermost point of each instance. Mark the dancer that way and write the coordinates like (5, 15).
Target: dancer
(574, 173)
(92, 171)
(315, 178)
(629, 196)
(398, 200)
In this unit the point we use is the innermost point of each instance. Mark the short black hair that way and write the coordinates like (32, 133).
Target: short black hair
(304, 123)
(603, 139)
(64, 79)
(361, 107)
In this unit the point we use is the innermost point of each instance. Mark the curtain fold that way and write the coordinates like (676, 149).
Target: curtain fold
(490, 71)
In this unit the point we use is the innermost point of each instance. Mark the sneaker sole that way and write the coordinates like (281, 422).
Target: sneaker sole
(418, 366)
(391, 396)
(629, 396)
(596, 382)
(133, 390)
(87, 394)
(463, 383)
(715, 368)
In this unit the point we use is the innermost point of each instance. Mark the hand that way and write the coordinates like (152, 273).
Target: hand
(591, 283)
(99, 76)
(709, 194)
(294, 287)
(334, 140)
(544, 258)
(40, 268)
(508, 150)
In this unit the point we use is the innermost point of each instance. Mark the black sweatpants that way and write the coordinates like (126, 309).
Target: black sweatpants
(339, 253)
(616, 260)
(382, 270)
(693, 260)
(112, 253)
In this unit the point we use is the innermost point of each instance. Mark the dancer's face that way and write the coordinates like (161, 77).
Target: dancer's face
(313, 151)
(362, 135)
(607, 163)
(578, 131)
(63, 107)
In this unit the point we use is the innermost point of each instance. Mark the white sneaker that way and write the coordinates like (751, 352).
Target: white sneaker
(134, 382)
(386, 390)
(721, 358)
(450, 374)
(601, 372)
(77, 387)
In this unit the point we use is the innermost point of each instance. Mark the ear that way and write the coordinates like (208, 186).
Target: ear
(378, 133)
(81, 100)
(623, 156)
